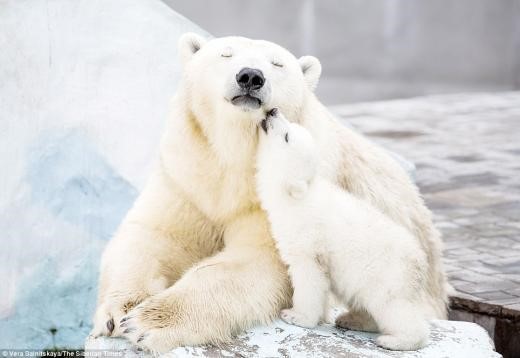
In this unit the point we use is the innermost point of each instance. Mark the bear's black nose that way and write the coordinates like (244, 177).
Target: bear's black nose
(250, 78)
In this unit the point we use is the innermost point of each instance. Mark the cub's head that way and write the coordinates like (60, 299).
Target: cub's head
(239, 77)
(287, 157)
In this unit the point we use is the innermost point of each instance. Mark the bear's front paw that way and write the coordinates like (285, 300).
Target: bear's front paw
(135, 330)
(297, 318)
(110, 311)
(152, 325)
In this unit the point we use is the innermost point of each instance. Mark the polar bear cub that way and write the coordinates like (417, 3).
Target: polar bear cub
(332, 240)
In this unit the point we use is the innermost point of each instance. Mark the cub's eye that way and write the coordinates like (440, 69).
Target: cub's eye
(277, 63)
(286, 137)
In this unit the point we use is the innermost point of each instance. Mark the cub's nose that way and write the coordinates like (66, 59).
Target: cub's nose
(250, 78)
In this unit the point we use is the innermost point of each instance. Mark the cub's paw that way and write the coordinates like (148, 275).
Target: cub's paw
(109, 313)
(274, 112)
(267, 123)
(400, 343)
(297, 318)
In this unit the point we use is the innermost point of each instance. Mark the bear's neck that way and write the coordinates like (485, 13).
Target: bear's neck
(233, 139)
(230, 134)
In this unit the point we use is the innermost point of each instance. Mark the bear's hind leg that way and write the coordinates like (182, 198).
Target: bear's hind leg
(357, 320)
(148, 253)
(243, 285)
(137, 264)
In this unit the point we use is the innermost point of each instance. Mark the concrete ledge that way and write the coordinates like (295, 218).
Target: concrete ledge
(501, 322)
(447, 339)
(471, 304)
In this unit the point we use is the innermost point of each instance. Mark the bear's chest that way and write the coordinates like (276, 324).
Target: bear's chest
(228, 193)
(219, 191)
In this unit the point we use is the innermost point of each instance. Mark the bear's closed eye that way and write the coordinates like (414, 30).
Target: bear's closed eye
(287, 137)
(227, 52)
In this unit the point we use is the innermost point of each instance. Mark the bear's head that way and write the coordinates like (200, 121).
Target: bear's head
(287, 158)
(235, 77)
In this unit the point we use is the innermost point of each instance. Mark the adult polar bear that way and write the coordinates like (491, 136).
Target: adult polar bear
(193, 261)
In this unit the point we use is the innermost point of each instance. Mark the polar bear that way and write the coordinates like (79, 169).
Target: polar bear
(334, 241)
(194, 261)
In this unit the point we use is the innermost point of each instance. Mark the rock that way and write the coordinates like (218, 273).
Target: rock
(447, 339)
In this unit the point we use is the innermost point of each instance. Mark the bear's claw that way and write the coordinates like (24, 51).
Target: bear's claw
(110, 325)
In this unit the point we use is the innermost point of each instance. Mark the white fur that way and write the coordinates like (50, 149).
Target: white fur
(332, 240)
(193, 261)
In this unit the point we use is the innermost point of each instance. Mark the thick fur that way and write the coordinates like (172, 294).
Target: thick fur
(332, 240)
(193, 261)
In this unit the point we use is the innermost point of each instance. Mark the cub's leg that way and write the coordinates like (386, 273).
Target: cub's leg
(148, 253)
(311, 287)
(402, 325)
(243, 285)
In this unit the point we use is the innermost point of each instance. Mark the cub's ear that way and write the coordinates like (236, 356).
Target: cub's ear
(311, 68)
(189, 43)
(297, 189)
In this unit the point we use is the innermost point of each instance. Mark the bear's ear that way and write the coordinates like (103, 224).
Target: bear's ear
(189, 43)
(297, 189)
(311, 68)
